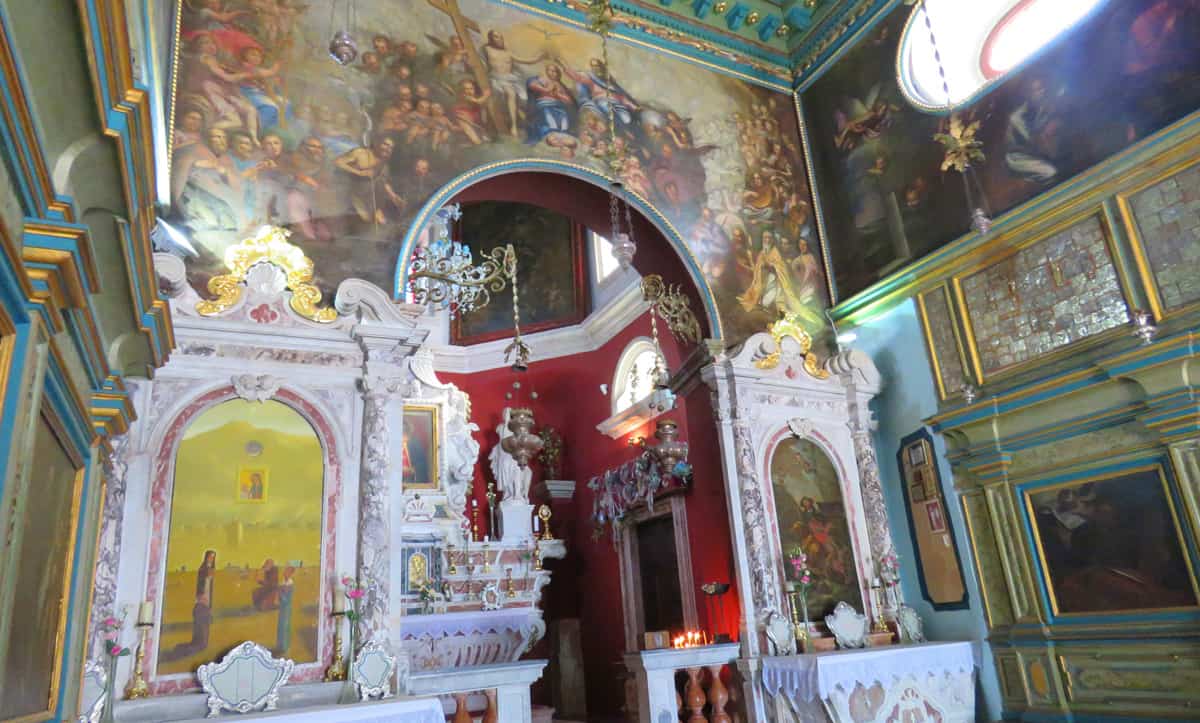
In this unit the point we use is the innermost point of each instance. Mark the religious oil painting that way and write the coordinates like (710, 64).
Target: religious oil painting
(1127, 71)
(237, 571)
(1112, 544)
(252, 484)
(268, 128)
(419, 459)
(551, 269)
(812, 519)
(34, 647)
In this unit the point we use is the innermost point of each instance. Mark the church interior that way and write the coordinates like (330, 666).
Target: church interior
(533, 361)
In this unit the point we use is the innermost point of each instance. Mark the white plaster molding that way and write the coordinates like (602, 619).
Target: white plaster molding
(589, 335)
(256, 387)
(172, 274)
(362, 300)
(560, 489)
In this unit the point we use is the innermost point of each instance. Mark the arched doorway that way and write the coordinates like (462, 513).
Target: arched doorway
(607, 595)
(583, 194)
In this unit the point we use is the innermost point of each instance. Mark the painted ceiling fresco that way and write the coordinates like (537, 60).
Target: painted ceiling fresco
(1130, 70)
(269, 129)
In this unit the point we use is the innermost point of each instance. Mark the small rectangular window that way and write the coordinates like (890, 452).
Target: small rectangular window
(604, 264)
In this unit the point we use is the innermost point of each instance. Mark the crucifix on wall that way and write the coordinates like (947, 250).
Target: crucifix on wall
(464, 26)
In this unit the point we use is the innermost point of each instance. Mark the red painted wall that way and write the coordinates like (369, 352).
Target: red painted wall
(586, 584)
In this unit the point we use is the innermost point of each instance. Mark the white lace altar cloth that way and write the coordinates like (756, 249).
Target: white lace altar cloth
(473, 622)
(803, 678)
(414, 710)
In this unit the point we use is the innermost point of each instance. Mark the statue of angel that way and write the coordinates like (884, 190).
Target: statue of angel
(513, 481)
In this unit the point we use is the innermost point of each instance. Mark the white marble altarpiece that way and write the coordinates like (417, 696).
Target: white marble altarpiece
(351, 378)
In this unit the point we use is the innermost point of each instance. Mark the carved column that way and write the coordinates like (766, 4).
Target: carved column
(374, 538)
(108, 553)
(872, 491)
(754, 518)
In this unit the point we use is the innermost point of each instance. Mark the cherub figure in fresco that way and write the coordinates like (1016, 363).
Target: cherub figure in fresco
(468, 110)
(758, 201)
(450, 58)
(634, 177)
(370, 64)
(863, 119)
(393, 121)
(261, 85)
(502, 67)
(274, 19)
(211, 80)
(371, 190)
(441, 127)
(677, 130)
(420, 122)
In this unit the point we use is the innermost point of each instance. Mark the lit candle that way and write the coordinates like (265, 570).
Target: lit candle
(146, 613)
(339, 604)
(537, 524)
(474, 502)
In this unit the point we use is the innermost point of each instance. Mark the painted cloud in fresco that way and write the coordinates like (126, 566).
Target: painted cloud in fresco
(270, 130)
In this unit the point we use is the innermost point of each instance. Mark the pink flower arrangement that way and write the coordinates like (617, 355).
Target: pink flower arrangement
(354, 593)
(800, 572)
(110, 631)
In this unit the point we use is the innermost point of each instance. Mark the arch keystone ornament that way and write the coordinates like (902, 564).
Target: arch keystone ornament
(789, 327)
(271, 245)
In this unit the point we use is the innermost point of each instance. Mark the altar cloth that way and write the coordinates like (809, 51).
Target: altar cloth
(473, 622)
(806, 677)
(410, 710)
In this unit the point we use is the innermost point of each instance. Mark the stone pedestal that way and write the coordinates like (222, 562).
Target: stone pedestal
(516, 521)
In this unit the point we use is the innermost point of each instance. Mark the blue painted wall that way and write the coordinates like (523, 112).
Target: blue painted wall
(895, 343)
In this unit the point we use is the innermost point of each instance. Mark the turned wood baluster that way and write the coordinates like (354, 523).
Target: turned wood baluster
(461, 713)
(490, 715)
(717, 696)
(694, 696)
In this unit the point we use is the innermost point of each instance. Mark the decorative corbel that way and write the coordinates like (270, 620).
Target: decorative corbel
(256, 387)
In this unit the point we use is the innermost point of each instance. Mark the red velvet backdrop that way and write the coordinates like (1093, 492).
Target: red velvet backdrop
(586, 584)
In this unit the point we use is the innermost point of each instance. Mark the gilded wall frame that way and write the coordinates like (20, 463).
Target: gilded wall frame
(1038, 544)
(934, 361)
(1071, 216)
(1141, 258)
(434, 452)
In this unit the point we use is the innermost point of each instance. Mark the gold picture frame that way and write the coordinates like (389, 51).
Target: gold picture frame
(420, 461)
(253, 484)
(1036, 525)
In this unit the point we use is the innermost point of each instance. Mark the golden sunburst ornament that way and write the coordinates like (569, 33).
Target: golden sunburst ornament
(271, 245)
(963, 149)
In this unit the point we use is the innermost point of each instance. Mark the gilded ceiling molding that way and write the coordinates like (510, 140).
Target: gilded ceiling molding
(270, 245)
(838, 30)
(789, 327)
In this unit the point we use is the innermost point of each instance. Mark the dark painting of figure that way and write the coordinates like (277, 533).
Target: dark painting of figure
(551, 269)
(884, 197)
(419, 465)
(812, 520)
(1112, 545)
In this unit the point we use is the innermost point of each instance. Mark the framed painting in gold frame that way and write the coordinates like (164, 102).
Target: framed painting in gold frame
(1111, 543)
(42, 583)
(252, 485)
(419, 463)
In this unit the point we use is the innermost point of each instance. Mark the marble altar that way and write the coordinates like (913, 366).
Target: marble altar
(917, 683)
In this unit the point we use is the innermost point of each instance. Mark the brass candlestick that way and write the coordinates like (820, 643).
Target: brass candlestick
(137, 686)
(337, 667)
(491, 498)
(877, 598)
(451, 569)
(512, 592)
(537, 557)
(474, 521)
(486, 564)
(544, 515)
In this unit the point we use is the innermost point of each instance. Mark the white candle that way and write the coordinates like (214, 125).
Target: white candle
(487, 538)
(474, 503)
(146, 613)
(537, 524)
(339, 603)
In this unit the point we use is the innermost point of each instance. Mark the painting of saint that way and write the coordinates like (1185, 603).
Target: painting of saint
(812, 520)
(1112, 545)
(419, 457)
(41, 580)
(551, 269)
(236, 571)
(883, 194)
(270, 130)
(252, 485)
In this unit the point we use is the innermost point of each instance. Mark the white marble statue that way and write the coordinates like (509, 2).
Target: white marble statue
(513, 481)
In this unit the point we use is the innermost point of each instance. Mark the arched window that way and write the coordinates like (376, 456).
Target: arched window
(634, 378)
(979, 43)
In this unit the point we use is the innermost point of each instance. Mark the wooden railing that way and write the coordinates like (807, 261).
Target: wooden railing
(703, 696)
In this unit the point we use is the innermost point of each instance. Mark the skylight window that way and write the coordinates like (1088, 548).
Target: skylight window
(979, 42)
(604, 263)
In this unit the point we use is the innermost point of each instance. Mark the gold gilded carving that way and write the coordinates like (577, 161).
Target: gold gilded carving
(270, 244)
(672, 305)
(789, 326)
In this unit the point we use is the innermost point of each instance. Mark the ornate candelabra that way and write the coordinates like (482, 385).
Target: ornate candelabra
(508, 584)
(491, 498)
(523, 444)
(337, 667)
(137, 685)
(474, 520)
(537, 556)
(544, 515)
